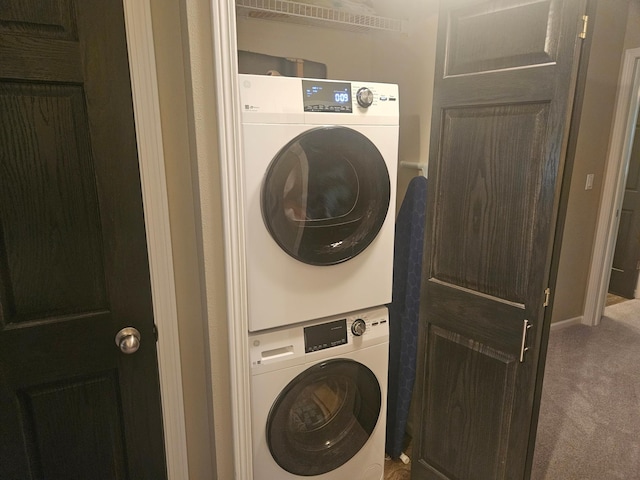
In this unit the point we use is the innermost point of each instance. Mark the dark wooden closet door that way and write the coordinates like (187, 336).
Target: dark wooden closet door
(504, 87)
(73, 258)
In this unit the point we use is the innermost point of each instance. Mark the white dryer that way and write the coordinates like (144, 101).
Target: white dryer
(318, 398)
(320, 162)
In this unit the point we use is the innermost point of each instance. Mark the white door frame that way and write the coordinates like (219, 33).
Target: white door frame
(624, 122)
(225, 51)
(146, 107)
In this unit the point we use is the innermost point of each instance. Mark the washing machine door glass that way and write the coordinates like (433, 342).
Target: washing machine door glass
(323, 417)
(325, 195)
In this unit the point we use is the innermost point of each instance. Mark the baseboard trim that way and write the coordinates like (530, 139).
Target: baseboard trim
(567, 323)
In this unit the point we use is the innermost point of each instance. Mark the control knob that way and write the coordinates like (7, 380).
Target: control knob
(364, 96)
(358, 327)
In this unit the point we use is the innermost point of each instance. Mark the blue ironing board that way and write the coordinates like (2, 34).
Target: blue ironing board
(404, 311)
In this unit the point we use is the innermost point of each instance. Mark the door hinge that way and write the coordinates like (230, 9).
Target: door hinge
(155, 332)
(638, 265)
(547, 294)
(585, 22)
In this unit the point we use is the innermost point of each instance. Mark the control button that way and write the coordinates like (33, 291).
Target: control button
(392, 99)
(358, 327)
(364, 96)
(383, 98)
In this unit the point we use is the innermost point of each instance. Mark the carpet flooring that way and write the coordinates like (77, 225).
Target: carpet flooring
(589, 426)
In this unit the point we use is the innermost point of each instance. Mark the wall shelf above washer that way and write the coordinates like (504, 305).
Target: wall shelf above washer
(308, 14)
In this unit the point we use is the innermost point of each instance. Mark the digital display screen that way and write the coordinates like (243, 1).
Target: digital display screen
(333, 97)
(325, 335)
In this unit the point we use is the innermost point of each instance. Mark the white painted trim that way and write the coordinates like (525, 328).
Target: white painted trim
(566, 323)
(612, 194)
(229, 137)
(146, 106)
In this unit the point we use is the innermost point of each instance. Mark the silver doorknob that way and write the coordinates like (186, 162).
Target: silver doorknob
(128, 339)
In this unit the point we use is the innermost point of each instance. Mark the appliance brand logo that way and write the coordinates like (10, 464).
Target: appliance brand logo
(250, 108)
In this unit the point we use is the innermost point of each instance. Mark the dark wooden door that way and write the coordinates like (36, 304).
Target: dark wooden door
(626, 257)
(505, 76)
(73, 259)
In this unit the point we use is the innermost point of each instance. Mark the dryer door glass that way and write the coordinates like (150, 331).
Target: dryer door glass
(323, 417)
(325, 195)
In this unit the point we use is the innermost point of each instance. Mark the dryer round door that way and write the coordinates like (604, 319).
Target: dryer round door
(326, 195)
(323, 417)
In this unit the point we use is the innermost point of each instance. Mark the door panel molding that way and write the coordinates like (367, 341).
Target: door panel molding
(463, 383)
(48, 275)
(475, 203)
(79, 408)
(35, 19)
(471, 53)
(624, 123)
(146, 107)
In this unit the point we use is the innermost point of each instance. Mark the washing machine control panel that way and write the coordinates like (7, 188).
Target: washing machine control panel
(339, 332)
(325, 335)
(310, 341)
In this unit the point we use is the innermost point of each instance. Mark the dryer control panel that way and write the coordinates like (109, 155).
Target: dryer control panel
(329, 96)
(322, 96)
(279, 100)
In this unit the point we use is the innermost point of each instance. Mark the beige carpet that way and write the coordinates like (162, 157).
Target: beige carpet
(589, 425)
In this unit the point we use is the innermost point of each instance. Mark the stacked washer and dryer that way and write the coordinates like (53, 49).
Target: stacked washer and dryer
(320, 162)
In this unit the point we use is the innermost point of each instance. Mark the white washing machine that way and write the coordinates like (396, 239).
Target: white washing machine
(320, 163)
(318, 398)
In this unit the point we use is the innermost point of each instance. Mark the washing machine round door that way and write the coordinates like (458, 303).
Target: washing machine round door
(325, 195)
(323, 417)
